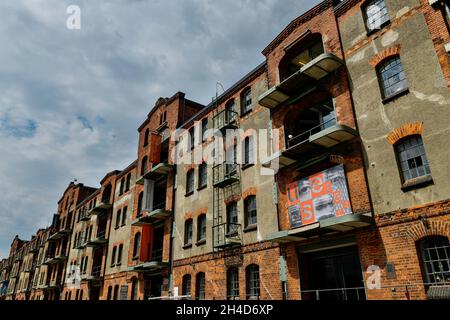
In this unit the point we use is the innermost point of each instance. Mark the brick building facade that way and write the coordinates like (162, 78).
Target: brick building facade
(354, 98)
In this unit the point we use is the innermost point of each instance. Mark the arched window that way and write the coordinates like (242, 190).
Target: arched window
(231, 114)
(127, 186)
(118, 218)
(412, 158)
(190, 181)
(188, 232)
(186, 285)
(109, 295)
(233, 283)
(116, 292)
(144, 165)
(113, 256)
(119, 254)
(124, 215)
(246, 101)
(248, 151)
(134, 289)
(200, 292)
(435, 258)
(252, 281)
(392, 77)
(250, 211)
(232, 217)
(136, 245)
(201, 228)
(376, 15)
(146, 137)
(202, 175)
(122, 185)
(140, 202)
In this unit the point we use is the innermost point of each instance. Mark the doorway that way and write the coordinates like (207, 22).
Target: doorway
(332, 275)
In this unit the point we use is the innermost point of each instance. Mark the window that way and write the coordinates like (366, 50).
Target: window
(192, 138)
(139, 206)
(124, 216)
(201, 228)
(376, 15)
(116, 292)
(190, 181)
(435, 256)
(200, 286)
(250, 211)
(412, 159)
(232, 217)
(144, 166)
(202, 175)
(233, 284)
(392, 78)
(186, 286)
(81, 294)
(119, 255)
(188, 232)
(252, 275)
(248, 151)
(137, 245)
(146, 137)
(230, 111)
(134, 289)
(204, 128)
(127, 186)
(113, 257)
(246, 101)
(122, 185)
(118, 218)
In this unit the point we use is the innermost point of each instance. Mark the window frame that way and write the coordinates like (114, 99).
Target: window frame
(190, 181)
(136, 245)
(233, 284)
(246, 96)
(200, 286)
(188, 232)
(201, 228)
(379, 70)
(247, 211)
(186, 285)
(366, 17)
(251, 281)
(428, 264)
(202, 175)
(418, 180)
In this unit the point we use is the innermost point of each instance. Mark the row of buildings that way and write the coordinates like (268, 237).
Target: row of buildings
(350, 202)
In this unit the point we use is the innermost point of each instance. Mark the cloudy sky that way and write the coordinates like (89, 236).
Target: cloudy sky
(71, 100)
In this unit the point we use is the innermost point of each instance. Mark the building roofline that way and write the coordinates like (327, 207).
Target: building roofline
(308, 15)
(235, 87)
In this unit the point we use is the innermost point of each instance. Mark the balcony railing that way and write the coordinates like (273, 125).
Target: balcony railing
(225, 119)
(225, 174)
(306, 135)
(301, 82)
(84, 215)
(227, 235)
(61, 233)
(98, 240)
(149, 216)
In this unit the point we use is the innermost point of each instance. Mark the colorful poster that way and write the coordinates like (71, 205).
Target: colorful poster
(320, 196)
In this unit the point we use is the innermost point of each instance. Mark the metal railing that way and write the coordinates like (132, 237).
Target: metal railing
(96, 271)
(225, 171)
(158, 206)
(304, 136)
(227, 235)
(157, 255)
(224, 118)
(101, 235)
(340, 294)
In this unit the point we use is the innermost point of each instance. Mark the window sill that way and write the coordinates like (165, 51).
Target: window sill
(112, 266)
(187, 246)
(247, 165)
(201, 242)
(417, 183)
(123, 225)
(116, 227)
(190, 193)
(252, 227)
(373, 31)
(395, 96)
(135, 258)
(231, 234)
(118, 264)
(243, 114)
(202, 187)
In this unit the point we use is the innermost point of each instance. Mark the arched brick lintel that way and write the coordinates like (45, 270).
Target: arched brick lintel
(389, 52)
(435, 228)
(406, 130)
